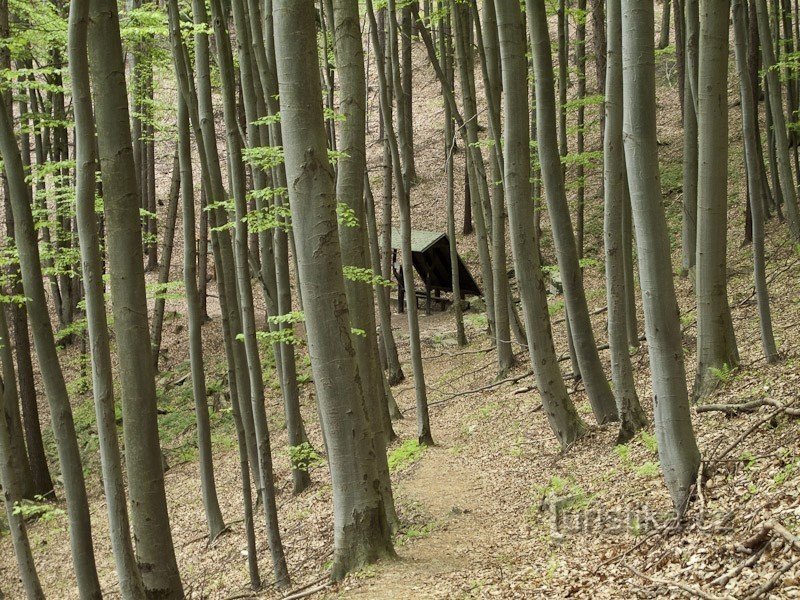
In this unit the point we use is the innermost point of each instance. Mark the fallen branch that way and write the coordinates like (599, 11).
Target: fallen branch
(747, 432)
(733, 409)
(307, 592)
(689, 589)
(723, 579)
(773, 581)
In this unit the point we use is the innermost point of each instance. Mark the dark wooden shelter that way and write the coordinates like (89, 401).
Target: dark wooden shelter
(431, 257)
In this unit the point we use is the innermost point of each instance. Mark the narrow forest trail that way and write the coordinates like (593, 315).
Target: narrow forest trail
(458, 508)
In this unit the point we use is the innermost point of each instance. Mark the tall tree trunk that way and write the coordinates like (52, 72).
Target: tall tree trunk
(166, 261)
(404, 204)
(52, 376)
(384, 310)
(10, 491)
(716, 343)
(690, 166)
(491, 75)
(631, 415)
(281, 240)
(24, 484)
(208, 488)
(677, 448)
(361, 531)
(597, 387)
(475, 160)
(446, 52)
(663, 35)
(561, 413)
(350, 191)
(130, 580)
(244, 286)
(787, 186)
(753, 182)
(154, 550)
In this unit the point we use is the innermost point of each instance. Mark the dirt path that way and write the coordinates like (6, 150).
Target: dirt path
(455, 504)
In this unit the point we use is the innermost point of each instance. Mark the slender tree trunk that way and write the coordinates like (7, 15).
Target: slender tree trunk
(753, 183)
(404, 203)
(690, 157)
(208, 488)
(154, 550)
(663, 35)
(491, 75)
(361, 531)
(677, 448)
(350, 191)
(52, 376)
(787, 186)
(130, 580)
(166, 261)
(561, 413)
(446, 52)
(243, 283)
(16, 438)
(9, 489)
(631, 415)
(405, 95)
(597, 387)
(475, 160)
(716, 344)
(384, 310)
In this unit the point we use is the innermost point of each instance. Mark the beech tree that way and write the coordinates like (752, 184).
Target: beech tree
(677, 448)
(361, 530)
(561, 413)
(716, 344)
(130, 579)
(155, 553)
(631, 415)
(591, 369)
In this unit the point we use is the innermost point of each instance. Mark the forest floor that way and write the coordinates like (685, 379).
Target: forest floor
(494, 509)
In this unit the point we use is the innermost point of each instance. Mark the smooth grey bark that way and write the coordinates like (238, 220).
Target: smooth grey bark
(663, 35)
(9, 489)
(560, 411)
(475, 168)
(17, 452)
(49, 367)
(42, 483)
(446, 53)
(208, 488)
(491, 76)
(361, 531)
(753, 182)
(130, 580)
(155, 553)
(631, 415)
(631, 318)
(406, 95)
(384, 310)
(784, 168)
(203, 122)
(244, 286)
(239, 406)
(716, 342)
(690, 156)
(591, 369)
(580, 67)
(677, 448)
(404, 204)
(281, 240)
(166, 261)
(350, 191)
